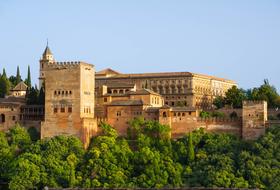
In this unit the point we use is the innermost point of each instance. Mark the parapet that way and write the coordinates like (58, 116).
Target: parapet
(66, 65)
(254, 102)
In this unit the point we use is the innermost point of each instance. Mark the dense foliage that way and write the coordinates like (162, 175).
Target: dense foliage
(147, 158)
(235, 96)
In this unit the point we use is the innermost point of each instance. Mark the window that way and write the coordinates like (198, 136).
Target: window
(54, 110)
(164, 114)
(190, 112)
(119, 113)
(172, 103)
(69, 109)
(2, 118)
(183, 114)
(62, 109)
(14, 118)
(70, 92)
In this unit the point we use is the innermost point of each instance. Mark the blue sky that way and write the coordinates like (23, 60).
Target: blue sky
(235, 39)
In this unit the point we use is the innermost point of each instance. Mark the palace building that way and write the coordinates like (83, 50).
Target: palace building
(78, 99)
(179, 89)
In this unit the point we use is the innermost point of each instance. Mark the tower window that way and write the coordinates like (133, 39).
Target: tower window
(119, 113)
(70, 109)
(62, 110)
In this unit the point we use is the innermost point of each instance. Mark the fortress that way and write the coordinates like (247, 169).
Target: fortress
(77, 99)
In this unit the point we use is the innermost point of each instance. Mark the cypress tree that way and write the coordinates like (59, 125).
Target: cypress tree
(4, 73)
(18, 77)
(41, 97)
(28, 80)
(5, 84)
(190, 149)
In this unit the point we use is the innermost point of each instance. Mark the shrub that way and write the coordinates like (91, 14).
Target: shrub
(218, 114)
(204, 114)
(233, 115)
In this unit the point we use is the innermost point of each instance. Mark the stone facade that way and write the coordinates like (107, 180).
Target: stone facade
(69, 99)
(75, 106)
(177, 88)
(254, 116)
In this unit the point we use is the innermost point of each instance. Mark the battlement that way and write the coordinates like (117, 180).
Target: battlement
(253, 102)
(66, 64)
(218, 119)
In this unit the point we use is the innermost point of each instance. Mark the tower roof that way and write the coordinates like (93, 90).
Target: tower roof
(47, 51)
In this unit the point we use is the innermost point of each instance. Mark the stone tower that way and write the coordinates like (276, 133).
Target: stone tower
(69, 99)
(254, 117)
(47, 58)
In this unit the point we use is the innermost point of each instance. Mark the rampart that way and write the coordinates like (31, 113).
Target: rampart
(214, 125)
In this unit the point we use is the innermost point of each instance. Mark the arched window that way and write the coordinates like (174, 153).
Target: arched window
(2, 118)
(164, 114)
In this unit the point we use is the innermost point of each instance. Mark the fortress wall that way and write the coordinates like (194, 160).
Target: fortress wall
(181, 127)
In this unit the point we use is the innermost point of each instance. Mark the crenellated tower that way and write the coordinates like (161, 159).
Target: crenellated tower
(47, 59)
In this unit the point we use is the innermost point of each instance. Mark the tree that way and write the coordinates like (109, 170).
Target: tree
(41, 96)
(13, 81)
(219, 102)
(32, 95)
(5, 85)
(28, 79)
(234, 97)
(265, 92)
(190, 151)
(18, 137)
(204, 114)
(18, 77)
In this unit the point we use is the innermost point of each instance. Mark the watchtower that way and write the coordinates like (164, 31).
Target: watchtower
(69, 100)
(254, 117)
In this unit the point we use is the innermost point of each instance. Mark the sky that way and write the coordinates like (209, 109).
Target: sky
(233, 39)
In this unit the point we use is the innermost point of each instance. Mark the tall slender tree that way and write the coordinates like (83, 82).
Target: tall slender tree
(28, 79)
(5, 84)
(18, 77)
(4, 73)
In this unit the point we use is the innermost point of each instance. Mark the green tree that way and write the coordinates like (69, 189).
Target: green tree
(234, 97)
(28, 79)
(41, 96)
(5, 85)
(190, 151)
(32, 96)
(18, 77)
(265, 92)
(219, 102)
(204, 114)
(18, 137)
(13, 81)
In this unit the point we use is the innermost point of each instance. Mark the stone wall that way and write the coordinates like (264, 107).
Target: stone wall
(9, 115)
(185, 125)
(254, 118)
(69, 100)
